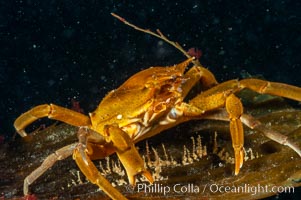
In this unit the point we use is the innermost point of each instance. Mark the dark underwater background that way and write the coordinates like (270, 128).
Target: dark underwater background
(55, 51)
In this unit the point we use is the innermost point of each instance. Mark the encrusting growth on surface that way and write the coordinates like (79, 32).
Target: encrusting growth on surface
(158, 158)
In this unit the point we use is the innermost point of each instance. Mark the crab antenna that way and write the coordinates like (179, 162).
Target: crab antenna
(159, 35)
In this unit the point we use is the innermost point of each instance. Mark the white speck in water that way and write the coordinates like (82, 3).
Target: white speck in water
(119, 116)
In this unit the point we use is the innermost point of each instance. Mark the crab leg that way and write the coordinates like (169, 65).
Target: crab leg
(88, 168)
(223, 95)
(273, 88)
(252, 123)
(197, 107)
(255, 124)
(195, 74)
(235, 110)
(118, 141)
(60, 154)
(53, 112)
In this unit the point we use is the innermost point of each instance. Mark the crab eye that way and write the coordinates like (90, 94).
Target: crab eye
(173, 113)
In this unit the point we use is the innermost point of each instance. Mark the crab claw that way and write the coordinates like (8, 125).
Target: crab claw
(127, 153)
(144, 172)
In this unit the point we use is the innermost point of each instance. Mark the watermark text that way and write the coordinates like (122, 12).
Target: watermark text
(191, 188)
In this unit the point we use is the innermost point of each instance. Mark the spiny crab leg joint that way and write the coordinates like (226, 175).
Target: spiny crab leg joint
(148, 103)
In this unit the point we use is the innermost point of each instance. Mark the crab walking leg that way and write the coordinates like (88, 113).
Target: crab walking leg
(235, 109)
(93, 175)
(255, 124)
(218, 97)
(273, 88)
(195, 74)
(60, 154)
(53, 112)
(127, 153)
(117, 140)
(257, 85)
(252, 123)
(87, 167)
